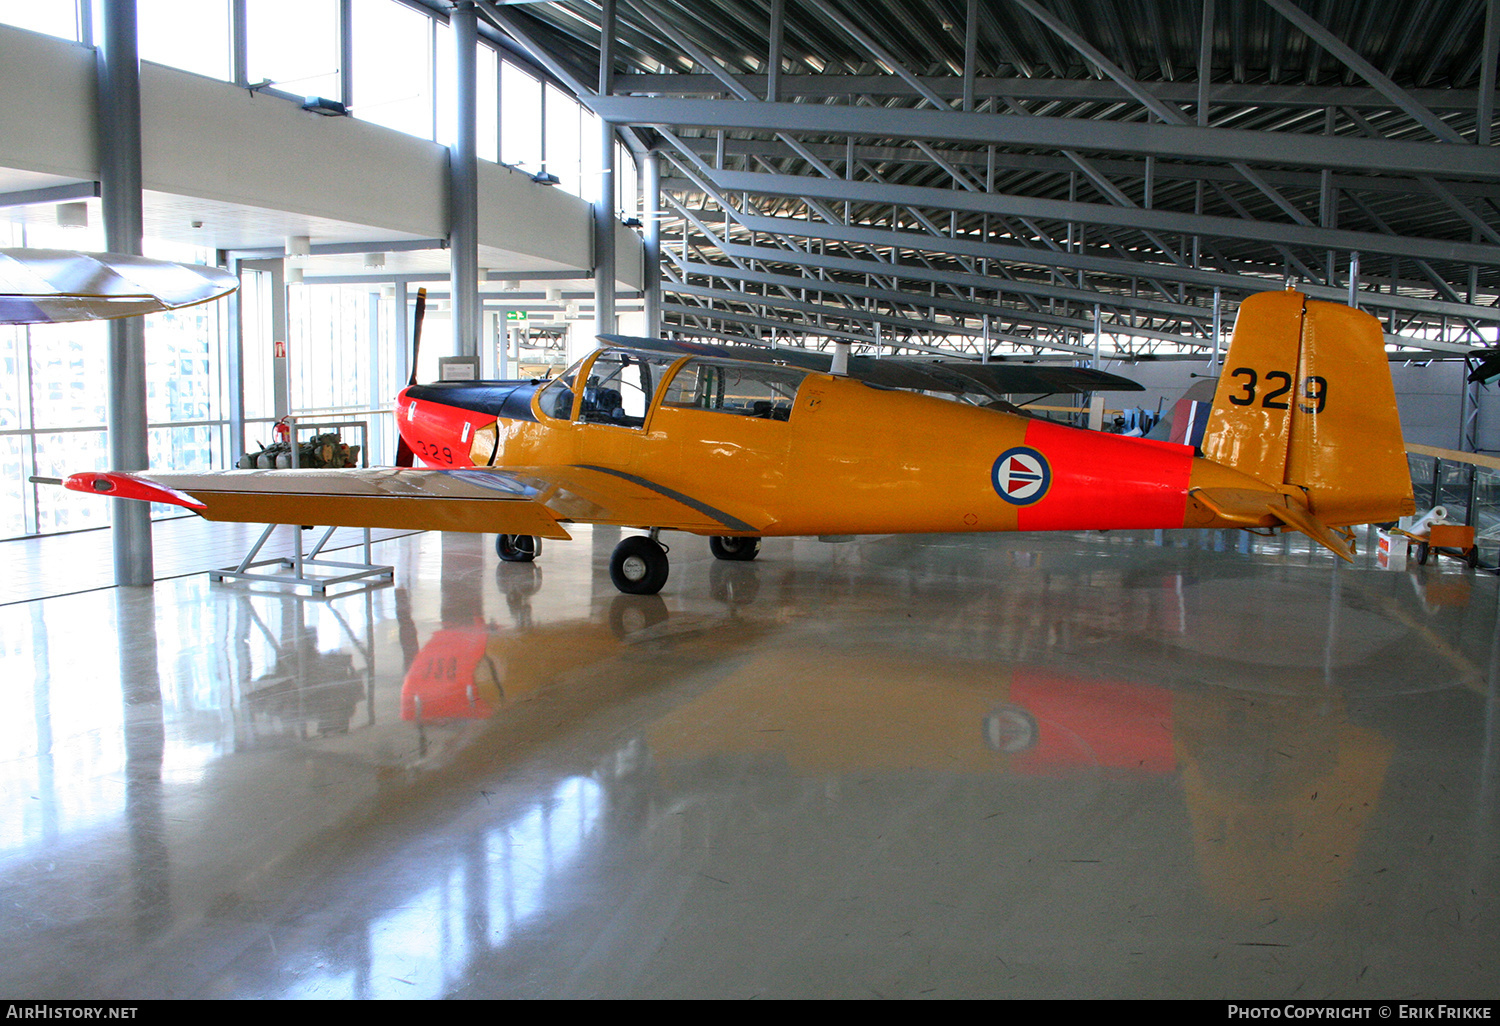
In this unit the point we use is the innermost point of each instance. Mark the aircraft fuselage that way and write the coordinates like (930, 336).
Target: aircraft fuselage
(842, 457)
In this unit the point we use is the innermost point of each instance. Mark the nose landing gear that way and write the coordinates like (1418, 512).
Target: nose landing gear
(734, 548)
(518, 548)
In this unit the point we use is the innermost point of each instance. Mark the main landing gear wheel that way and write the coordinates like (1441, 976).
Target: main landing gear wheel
(639, 566)
(734, 548)
(518, 548)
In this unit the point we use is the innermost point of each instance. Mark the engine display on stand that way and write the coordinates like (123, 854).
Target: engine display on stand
(319, 451)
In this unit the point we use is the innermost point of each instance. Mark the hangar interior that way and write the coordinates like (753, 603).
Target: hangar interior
(1083, 764)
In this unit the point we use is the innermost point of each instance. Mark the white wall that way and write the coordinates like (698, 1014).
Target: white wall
(46, 121)
(209, 139)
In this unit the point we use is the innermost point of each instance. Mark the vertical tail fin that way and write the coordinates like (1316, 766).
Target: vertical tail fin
(1306, 400)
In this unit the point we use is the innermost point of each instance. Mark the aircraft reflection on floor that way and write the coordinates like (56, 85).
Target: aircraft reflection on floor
(1056, 740)
(850, 706)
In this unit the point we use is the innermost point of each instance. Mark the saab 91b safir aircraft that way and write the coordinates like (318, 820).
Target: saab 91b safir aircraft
(721, 442)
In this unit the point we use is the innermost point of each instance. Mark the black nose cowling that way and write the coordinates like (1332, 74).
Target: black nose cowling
(508, 399)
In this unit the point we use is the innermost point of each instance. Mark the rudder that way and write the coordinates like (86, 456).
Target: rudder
(1306, 400)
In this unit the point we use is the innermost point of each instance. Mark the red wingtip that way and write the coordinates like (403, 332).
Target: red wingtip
(128, 486)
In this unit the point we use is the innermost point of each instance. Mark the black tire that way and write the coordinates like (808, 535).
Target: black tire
(1422, 549)
(734, 548)
(639, 566)
(517, 548)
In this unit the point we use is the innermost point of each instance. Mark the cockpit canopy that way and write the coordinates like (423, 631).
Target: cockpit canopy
(749, 390)
(620, 386)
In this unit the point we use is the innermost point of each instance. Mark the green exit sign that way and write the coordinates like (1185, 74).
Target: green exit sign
(516, 315)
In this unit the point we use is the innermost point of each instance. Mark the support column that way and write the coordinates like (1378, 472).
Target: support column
(651, 280)
(117, 67)
(463, 186)
(604, 205)
(1213, 363)
(773, 58)
(235, 369)
(402, 306)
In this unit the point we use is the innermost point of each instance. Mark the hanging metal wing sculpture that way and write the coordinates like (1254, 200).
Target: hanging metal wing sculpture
(48, 286)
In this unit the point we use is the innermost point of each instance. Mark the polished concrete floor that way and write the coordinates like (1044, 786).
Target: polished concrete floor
(1084, 765)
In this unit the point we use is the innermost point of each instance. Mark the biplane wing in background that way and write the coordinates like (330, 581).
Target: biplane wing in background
(1303, 435)
(958, 377)
(50, 286)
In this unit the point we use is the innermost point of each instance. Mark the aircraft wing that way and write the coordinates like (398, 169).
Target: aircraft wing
(992, 379)
(475, 500)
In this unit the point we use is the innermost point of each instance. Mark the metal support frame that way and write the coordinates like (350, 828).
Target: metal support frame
(307, 568)
(1146, 242)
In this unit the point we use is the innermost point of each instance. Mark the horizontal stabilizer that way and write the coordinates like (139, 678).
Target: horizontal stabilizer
(1249, 508)
(1243, 506)
(1301, 520)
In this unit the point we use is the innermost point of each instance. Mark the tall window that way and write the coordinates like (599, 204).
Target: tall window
(55, 19)
(193, 39)
(295, 45)
(520, 118)
(589, 154)
(341, 345)
(330, 347)
(393, 76)
(445, 85)
(563, 153)
(487, 137)
(627, 183)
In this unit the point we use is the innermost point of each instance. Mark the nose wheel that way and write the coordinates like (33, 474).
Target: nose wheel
(518, 548)
(639, 566)
(732, 548)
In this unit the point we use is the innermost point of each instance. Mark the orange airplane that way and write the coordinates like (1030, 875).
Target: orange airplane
(744, 443)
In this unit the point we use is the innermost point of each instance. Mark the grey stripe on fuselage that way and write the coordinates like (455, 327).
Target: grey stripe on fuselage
(733, 523)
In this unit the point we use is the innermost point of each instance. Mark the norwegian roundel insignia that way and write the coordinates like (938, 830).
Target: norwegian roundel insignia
(1021, 476)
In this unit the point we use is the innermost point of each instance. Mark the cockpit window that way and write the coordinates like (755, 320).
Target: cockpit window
(748, 390)
(556, 399)
(620, 388)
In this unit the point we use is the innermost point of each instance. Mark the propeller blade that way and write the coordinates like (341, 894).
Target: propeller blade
(416, 332)
(404, 456)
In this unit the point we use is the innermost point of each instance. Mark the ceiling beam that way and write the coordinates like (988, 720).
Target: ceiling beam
(885, 238)
(1052, 133)
(1048, 90)
(1096, 213)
